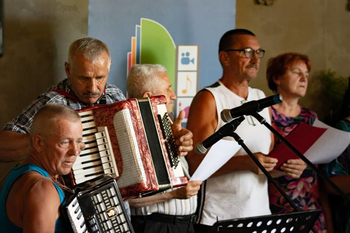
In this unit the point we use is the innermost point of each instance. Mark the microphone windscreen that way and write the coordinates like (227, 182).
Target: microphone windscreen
(200, 149)
(226, 115)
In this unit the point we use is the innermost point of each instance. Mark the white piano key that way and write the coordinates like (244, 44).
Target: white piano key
(104, 156)
(106, 159)
(90, 138)
(87, 118)
(87, 171)
(89, 131)
(88, 124)
(101, 134)
(85, 113)
(83, 178)
(91, 163)
(105, 165)
(101, 141)
(107, 153)
(81, 159)
(89, 151)
(103, 147)
(90, 145)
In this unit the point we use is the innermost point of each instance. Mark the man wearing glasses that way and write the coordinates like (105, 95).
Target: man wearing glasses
(239, 188)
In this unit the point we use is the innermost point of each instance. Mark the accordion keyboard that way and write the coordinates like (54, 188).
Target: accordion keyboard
(97, 158)
(169, 138)
(75, 216)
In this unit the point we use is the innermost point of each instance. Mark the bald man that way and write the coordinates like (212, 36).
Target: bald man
(31, 196)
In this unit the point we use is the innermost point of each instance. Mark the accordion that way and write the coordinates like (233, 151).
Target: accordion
(97, 206)
(131, 140)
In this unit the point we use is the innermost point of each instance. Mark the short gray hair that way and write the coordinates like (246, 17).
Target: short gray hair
(91, 49)
(45, 119)
(143, 78)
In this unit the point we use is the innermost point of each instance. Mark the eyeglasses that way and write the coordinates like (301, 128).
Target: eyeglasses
(249, 52)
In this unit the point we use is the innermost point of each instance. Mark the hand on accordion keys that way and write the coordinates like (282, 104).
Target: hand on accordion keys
(182, 136)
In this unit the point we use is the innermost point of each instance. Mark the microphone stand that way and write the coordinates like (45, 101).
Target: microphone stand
(267, 174)
(300, 155)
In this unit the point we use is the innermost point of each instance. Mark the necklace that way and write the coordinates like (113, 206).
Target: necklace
(60, 182)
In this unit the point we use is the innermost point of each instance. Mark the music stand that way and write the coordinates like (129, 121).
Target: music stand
(267, 174)
(301, 222)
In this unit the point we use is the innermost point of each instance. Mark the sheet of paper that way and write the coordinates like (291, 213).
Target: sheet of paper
(216, 157)
(329, 146)
(318, 145)
(302, 138)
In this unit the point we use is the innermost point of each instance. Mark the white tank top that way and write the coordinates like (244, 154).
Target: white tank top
(243, 193)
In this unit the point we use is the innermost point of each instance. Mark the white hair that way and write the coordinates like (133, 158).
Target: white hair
(143, 78)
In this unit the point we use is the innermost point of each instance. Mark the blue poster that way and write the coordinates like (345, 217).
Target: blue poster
(188, 22)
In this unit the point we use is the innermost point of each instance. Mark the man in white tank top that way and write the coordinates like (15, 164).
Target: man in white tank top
(239, 188)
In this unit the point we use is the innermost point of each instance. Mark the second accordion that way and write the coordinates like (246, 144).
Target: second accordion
(97, 207)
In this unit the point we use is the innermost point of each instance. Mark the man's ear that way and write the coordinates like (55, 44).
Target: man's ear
(223, 57)
(110, 64)
(37, 142)
(67, 69)
(147, 94)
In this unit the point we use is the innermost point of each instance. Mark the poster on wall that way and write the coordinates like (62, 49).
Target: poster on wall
(153, 44)
(195, 22)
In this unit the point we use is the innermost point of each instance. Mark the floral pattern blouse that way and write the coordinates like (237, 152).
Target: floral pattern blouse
(303, 191)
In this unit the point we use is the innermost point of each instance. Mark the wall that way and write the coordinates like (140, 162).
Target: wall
(37, 34)
(318, 28)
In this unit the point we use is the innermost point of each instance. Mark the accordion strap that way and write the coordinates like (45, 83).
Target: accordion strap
(61, 92)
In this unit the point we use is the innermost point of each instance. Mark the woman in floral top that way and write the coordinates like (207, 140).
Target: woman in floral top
(287, 74)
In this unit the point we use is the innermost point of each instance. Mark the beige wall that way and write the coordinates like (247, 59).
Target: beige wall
(318, 28)
(37, 34)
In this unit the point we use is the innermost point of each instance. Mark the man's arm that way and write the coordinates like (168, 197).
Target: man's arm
(186, 192)
(202, 122)
(13, 146)
(41, 208)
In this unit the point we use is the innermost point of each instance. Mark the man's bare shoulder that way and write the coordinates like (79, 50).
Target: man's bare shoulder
(36, 188)
(39, 184)
(203, 100)
(32, 192)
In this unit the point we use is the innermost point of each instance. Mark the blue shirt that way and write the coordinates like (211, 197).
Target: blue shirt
(16, 172)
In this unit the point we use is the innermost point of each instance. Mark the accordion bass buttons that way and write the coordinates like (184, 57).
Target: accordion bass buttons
(92, 225)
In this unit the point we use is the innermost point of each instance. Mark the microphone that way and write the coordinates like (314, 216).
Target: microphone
(224, 131)
(250, 107)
